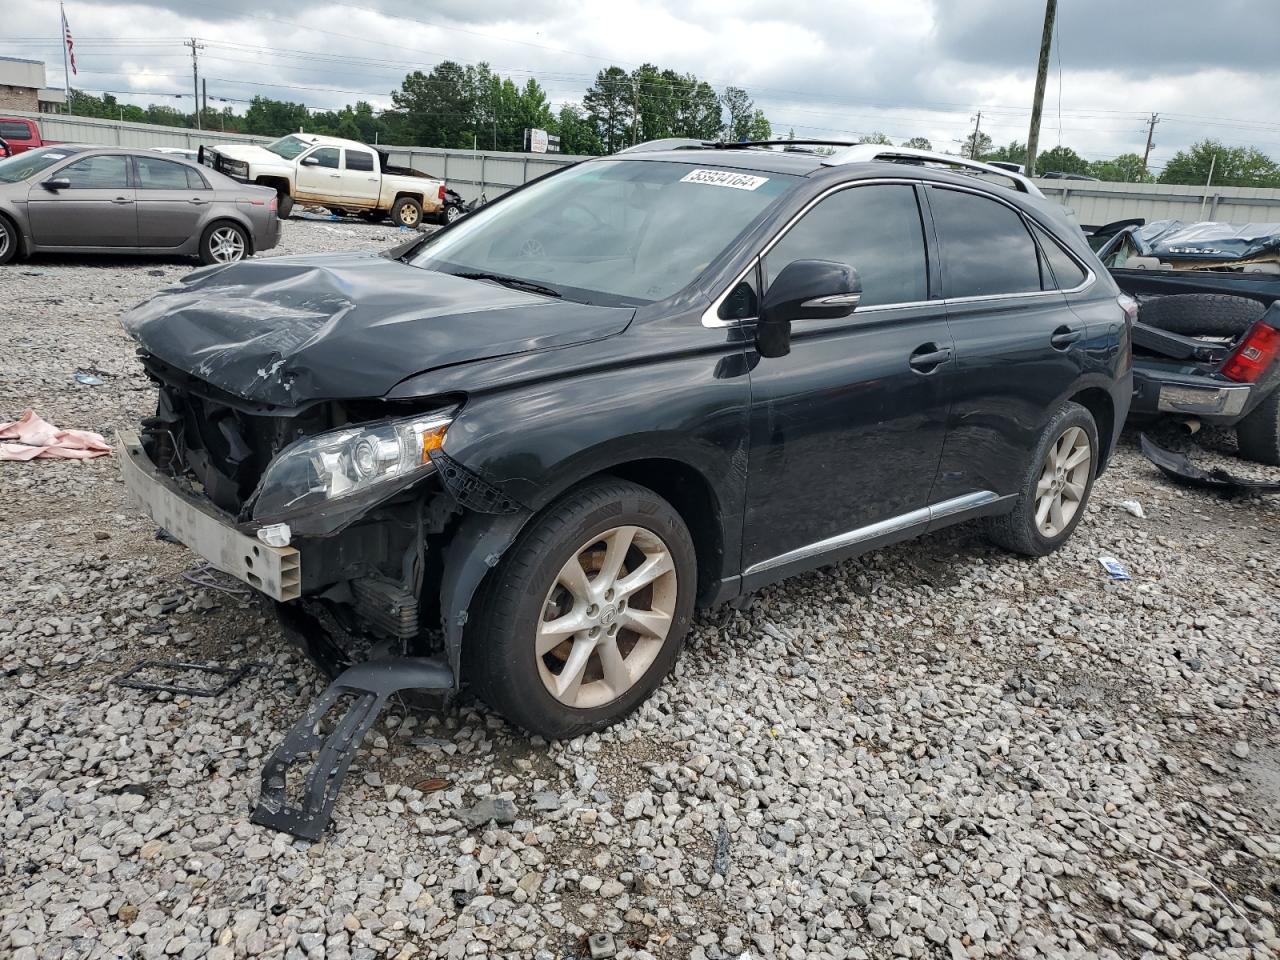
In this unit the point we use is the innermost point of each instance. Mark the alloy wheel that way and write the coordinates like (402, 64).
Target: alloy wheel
(4, 244)
(408, 215)
(226, 245)
(451, 214)
(1064, 477)
(606, 617)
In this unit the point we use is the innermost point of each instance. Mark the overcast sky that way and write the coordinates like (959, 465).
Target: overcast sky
(906, 67)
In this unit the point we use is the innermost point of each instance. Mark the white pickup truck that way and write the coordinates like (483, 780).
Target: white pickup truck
(342, 175)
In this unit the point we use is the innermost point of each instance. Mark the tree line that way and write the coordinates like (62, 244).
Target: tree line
(470, 106)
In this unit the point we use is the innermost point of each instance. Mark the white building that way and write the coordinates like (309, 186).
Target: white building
(22, 87)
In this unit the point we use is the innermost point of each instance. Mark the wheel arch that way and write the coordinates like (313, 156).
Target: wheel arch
(235, 220)
(1102, 408)
(19, 237)
(420, 198)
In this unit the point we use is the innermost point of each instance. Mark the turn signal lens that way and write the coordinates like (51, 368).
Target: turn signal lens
(432, 440)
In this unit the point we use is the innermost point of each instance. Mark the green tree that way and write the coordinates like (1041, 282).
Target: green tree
(976, 144)
(275, 118)
(1126, 168)
(1062, 160)
(608, 105)
(758, 127)
(919, 143)
(1012, 152)
(739, 106)
(439, 108)
(578, 135)
(1232, 166)
(699, 108)
(876, 137)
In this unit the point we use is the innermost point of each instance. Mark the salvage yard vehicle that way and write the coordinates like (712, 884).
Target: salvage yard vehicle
(74, 199)
(342, 175)
(1207, 336)
(22, 135)
(639, 385)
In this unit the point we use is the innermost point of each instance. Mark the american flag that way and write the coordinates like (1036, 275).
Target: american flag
(71, 44)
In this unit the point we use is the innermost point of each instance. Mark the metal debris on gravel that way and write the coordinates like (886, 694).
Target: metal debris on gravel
(938, 750)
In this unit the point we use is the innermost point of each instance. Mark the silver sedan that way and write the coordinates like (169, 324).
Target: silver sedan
(74, 199)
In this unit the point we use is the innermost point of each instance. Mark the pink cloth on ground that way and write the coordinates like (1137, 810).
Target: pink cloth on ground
(37, 437)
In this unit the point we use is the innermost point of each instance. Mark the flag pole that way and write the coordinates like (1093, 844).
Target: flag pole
(66, 69)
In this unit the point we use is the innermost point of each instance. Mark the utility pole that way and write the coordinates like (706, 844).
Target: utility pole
(204, 97)
(1042, 74)
(1151, 129)
(195, 76)
(973, 142)
(635, 109)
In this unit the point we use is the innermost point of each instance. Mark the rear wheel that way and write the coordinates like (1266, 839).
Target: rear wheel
(284, 205)
(452, 212)
(1258, 434)
(223, 243)
(8, 241)
(1055, 488)
(587, 612)
(407, 212)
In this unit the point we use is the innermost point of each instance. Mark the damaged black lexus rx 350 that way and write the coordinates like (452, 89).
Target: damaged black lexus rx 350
(530, 444)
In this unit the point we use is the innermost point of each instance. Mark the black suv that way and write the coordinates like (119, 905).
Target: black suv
(524, 448)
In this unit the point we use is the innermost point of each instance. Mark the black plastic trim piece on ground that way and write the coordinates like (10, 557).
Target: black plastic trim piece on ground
(1180, 468)
(231, 676)
(371, 683)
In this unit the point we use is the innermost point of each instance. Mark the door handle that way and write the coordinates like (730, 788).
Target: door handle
(927, 357)
(198, 201)
(1064, 337)
(122, 200)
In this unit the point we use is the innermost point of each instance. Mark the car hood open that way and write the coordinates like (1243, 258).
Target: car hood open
(291, 330)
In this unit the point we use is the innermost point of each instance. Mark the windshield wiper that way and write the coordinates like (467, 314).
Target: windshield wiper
(514, 282)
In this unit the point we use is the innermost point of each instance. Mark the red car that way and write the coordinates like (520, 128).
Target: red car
(21, 135)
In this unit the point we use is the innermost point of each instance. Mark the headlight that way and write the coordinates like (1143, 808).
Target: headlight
(235, 168)
(344, 463)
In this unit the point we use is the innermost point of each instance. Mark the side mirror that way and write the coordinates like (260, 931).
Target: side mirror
(805, 290)
(311, 161)
(55, 184)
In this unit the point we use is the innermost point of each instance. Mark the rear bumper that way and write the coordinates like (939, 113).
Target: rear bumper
(1159, 393)
(275, 571)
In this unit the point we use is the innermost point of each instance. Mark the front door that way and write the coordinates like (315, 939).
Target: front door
(320, 175)
(172, 201)
(361, 179)
(1019, 346)
(847, 430)
(96, 210)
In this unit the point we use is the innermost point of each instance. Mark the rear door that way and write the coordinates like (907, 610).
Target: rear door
(1018, 344)
(98, 209)
(361, 179)
(172, 200)
(847, 430)
(320, 175)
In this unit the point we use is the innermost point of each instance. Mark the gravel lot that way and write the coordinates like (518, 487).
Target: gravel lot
(937, 750)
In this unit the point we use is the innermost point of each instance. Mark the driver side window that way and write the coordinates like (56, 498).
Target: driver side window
(876, 229)
(326, 157)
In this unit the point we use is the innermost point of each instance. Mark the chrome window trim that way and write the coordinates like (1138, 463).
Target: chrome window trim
(923, 515)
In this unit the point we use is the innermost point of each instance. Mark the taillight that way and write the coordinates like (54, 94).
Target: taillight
(442, 192)
(1253, 355)
(274, 206)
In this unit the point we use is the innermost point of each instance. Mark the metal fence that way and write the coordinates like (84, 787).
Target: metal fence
(476, 172)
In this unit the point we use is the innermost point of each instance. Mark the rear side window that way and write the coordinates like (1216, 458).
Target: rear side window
(12, 130)
(1062, 267)
(985, 247)
(359, 160)
(103, 172)
(156, 174)
(195, 180)
(875, 229)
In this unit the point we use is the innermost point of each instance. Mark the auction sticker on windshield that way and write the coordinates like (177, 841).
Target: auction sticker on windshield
(724, 178)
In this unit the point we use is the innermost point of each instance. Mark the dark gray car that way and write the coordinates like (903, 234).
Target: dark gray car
(74, 199)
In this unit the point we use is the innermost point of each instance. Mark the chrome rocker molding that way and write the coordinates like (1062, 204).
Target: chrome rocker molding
(884, 528)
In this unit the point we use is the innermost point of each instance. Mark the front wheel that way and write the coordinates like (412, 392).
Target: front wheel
(407, 212)
(1056, 487)
(587, 611)
(223, 243)
(8, 241)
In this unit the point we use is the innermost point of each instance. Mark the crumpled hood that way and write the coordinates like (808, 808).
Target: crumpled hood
(290, 330)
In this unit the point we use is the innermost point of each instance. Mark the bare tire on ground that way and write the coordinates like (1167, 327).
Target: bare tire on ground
(8, 241)
(407, 212)
(1201, 314)
(223, 242)
(587, 611)
(1055, 490)
(1258, 434)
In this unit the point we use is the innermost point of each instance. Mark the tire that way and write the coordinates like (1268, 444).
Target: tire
(527, 590)
(406, 212)
(284, 206)
(9, 244)
(1019, 530)
(451, 213)
(372, 216)
(223, 242)
(1201, 314)
(1258, 434)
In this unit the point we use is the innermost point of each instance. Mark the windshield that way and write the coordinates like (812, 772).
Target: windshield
(27, 165)
(287, 147)
(612, 232)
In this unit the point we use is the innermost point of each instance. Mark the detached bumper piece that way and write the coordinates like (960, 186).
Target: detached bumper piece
(1178, 467)
(365, 688)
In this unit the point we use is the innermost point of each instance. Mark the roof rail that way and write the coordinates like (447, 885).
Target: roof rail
(686, 143)
(867, 152)
(669, 143)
